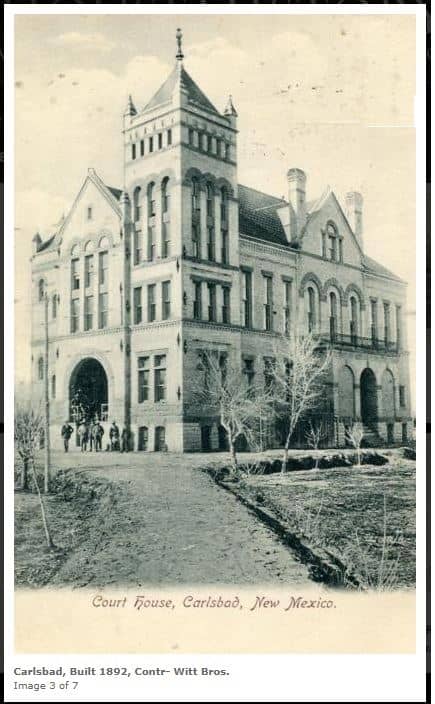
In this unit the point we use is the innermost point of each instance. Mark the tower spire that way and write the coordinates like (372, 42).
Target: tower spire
(179, 35)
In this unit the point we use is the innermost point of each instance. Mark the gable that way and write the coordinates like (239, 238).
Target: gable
(326, 210)
(92, 214)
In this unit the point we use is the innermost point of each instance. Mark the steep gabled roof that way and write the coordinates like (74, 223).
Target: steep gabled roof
(373, 267)
(258, 216)
(179, 80)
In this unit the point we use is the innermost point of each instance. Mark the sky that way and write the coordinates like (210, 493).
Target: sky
(332, 95)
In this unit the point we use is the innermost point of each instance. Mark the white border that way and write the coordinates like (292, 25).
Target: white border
(256, 678)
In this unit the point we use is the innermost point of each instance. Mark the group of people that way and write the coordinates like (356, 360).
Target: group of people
(91, 436)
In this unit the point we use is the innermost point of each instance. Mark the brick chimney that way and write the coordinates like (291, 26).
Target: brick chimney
(297, 199)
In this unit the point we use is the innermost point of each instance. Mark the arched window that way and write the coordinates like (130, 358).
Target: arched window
(151, 211)
(137, 233)
(166, 234)
(136, 204)
(40, 368)
(53, 386)
(142, 441)
(41, 289)
(354, 322)
(104, 242)
(224, 204)
(54, 307)
(210, 200)
(332, 315)
(332, 243)
(89, 246)
(75, 250)
(224, 225)
(196, 225)
(311, 309)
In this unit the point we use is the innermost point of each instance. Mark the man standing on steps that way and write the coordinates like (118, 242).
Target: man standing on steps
(66, 432)
(98, 435)
(114, 436)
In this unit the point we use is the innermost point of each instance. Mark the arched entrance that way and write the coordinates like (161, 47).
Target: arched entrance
(88, 391)
(369, 397)
(346, 393)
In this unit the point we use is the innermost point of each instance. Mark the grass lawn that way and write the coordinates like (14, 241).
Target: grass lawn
(364, 516)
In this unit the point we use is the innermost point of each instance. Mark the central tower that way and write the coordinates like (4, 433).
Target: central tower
(180, 174)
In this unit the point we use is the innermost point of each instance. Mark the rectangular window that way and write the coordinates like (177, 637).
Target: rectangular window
(225, 256)
(142, 147)
(133, 151)
(210, 244)
(191, 136)
(151, 244)
(209, 143)
(137, 246)
(218, 147)
(89, 312)
(151, 303)
(267, 282)
(143, 379)
(211, 302)
(169, 137)
(402, 397)
(103, 304)
(398, 326)
(333, 248)
(226, 305)
(137, 305)
(269, 365)
(247, 299)
(227, 152)
(89, 213)
(150, 144)
(160, 140)
(75, 274)
(374, 320)
(160, 377)
(166, 241)
(166, 300)
(103, 267)
(75, 312)
(287, 307)
(386, 323)
(249, 371)
(197, 302)
(89, 270)
(196, 241)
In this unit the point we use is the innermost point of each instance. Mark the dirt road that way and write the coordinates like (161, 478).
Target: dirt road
(171, 525)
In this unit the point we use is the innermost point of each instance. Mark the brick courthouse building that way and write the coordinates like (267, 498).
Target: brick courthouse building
(140, 280)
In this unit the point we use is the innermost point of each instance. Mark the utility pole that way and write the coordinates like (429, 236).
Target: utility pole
(47, 402)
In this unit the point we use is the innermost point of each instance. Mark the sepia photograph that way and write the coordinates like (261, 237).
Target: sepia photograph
(215, 327)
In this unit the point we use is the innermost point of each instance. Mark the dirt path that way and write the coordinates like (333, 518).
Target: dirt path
(173, 525)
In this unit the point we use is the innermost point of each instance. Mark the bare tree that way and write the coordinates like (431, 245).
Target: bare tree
(299, 374)
(315, 434)
(227, 392)
(28, 425)
(355, 436)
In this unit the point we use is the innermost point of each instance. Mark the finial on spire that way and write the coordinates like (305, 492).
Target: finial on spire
(230, 109)
(179, 35)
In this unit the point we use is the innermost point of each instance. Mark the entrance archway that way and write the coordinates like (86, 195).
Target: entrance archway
(88, 391)
(369, 397)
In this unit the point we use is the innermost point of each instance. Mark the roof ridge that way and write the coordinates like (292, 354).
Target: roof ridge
(263, 193)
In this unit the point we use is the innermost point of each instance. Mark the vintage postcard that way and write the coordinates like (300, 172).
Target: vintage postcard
(214, 215)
